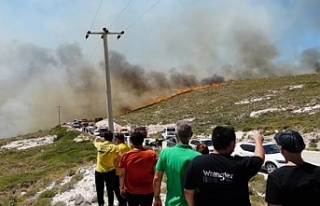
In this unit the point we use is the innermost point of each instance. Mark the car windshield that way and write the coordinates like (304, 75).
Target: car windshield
(207, 142)
(271, 149)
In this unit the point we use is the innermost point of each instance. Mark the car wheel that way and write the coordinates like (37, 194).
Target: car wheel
(270, 167)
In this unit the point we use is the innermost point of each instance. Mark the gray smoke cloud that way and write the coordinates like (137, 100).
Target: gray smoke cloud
(189, 47)
(39, 81)
(310, 59)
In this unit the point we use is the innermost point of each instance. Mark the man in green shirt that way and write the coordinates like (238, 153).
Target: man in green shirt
(173, 162)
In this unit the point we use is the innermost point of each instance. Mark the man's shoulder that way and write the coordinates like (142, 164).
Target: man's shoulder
(110, 144)
(123, 146)
(150, 151)
(167, 149)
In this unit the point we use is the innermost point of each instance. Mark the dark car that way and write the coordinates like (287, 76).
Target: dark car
(103, 131)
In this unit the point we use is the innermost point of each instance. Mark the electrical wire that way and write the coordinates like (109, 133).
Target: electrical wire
(94, 18)
(130, 25)
(124, 8)
(121, 13)
(140, 17)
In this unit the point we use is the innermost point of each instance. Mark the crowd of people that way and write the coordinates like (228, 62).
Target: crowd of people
(195, 177)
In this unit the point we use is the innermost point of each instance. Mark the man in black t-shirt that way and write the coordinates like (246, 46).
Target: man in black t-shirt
(219, 178)
(297, 183)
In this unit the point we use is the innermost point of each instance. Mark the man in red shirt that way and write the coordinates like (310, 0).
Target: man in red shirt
(137, 170)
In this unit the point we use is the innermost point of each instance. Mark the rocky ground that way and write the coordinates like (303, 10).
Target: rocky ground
(84, 192)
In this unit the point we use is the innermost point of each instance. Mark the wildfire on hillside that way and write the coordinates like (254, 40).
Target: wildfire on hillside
(183, 91)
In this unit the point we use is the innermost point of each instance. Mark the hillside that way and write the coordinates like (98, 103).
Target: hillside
(291, 101)
(269, 104)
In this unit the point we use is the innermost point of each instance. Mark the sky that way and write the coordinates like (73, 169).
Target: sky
(46, 61)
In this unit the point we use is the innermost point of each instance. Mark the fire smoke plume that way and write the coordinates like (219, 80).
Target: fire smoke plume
(204, 46)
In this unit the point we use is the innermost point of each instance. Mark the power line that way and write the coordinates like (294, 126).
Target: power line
(85, 40)
(94, 18)
(135, 21)
(130, 25)
(124, 8)
(96, 15)
(121, 13)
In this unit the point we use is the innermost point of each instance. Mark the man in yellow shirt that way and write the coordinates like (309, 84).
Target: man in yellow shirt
(105, 171)
(122, 148)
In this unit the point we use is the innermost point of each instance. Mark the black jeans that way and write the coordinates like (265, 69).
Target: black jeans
(100, 179)
(116, 189)
(139, 199)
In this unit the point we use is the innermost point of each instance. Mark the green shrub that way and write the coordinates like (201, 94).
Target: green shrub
(313, 149)
(312, 144)
(77, 177)
(48, 194)
(43, 202)
(258, 182)
(257, 200)
(72, 172)
(66, 187)
(9, 201)
(31, 192)
(247, 129)
(314, 140)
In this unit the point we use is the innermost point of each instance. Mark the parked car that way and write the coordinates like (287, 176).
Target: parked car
(171, 142)
(273, 157)
(100, 131)
(125, 132)
(76, 124)
(207, 141)
(89, 129)
(168, 132)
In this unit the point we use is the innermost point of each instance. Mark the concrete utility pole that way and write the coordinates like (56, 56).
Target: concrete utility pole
(104, 35)
(59, 113)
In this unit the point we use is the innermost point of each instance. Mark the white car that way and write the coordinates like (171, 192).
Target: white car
(125, 131)
(273, 157)
(206, 141)
(168, 132)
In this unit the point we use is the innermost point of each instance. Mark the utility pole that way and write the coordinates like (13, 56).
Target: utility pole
(59, 113)
(104, 35)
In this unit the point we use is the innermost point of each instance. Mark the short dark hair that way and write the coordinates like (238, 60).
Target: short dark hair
(290, 140)
(108, 136)
(202, 148)
(222, 136)
(184, 129)
(137, 138)
(120, 136)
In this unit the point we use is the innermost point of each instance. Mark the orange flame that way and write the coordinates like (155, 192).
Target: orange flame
(183, 91)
